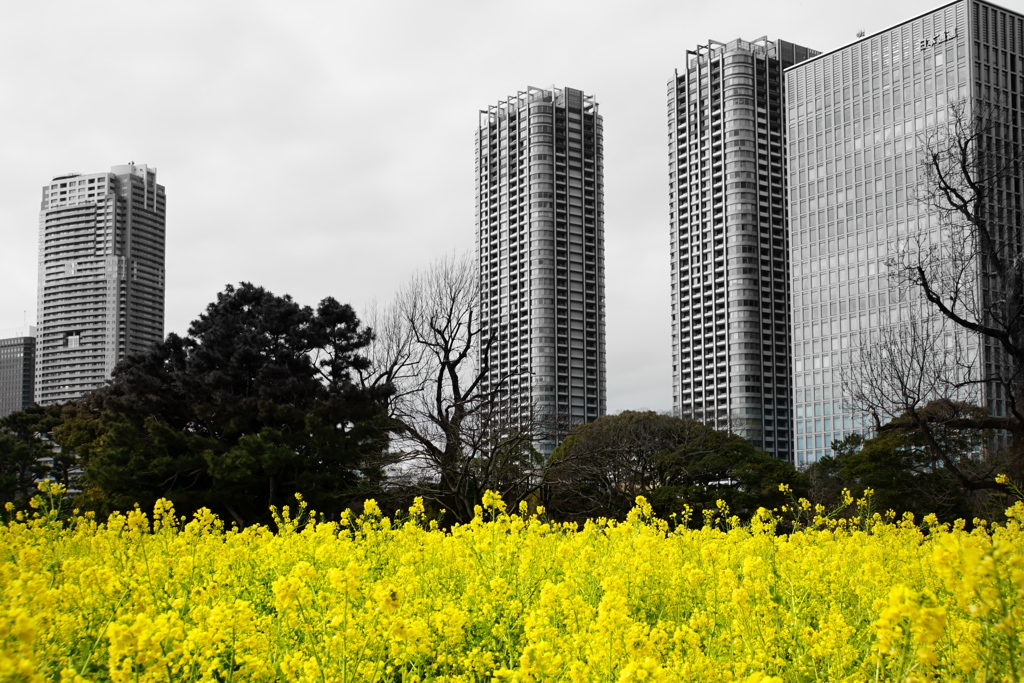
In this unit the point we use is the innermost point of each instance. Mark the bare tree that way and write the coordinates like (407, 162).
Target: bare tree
(456, 434)
(921, 373)
(959, 338)
(917, 357)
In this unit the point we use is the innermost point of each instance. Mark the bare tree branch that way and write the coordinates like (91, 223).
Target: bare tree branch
(959, 338)
(458, 435)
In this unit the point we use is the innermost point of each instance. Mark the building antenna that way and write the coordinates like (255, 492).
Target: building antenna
(860, 33)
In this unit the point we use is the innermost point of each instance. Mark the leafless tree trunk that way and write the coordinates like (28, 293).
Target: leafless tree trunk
(454, 436)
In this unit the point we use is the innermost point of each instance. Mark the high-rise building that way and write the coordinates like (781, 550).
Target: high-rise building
(101, 277)
(540, 242)
(729, 244)
(17, 369)
(860, 120)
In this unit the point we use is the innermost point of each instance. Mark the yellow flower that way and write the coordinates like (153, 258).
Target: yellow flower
(492, 501)
(510, 598)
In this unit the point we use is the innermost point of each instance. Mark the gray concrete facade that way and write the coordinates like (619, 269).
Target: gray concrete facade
(540, 244)
(729, 242)
(101, 277)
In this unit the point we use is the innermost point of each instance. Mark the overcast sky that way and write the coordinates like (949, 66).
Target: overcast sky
(326, 148)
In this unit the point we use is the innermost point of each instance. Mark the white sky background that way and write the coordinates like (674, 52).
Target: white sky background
(326, 148)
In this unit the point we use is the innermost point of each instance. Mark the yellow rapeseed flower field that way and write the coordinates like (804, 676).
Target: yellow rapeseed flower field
(508, 597)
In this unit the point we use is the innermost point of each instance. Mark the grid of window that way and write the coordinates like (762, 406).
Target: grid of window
(17, 373)
(858, 120)
(101, 277)
(540, 242)
(729, 276)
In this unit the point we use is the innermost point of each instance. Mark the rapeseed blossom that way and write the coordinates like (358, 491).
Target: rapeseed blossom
(508, 597)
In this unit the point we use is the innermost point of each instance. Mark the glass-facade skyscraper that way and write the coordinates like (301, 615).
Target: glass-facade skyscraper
(17, 369)
(540, 244)
(859, 120)
(729, 245)
(101, 277)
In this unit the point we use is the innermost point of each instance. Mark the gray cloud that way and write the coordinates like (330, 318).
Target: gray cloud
(326, 148)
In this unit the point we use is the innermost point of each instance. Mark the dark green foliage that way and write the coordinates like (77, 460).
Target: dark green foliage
(19, 467)
(256, 404)
(26, 455)
(601, 467)
(905, 467)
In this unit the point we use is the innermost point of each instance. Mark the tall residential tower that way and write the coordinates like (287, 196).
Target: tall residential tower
(860, 120)
(729, 241)
(101, 277)
(540, 242)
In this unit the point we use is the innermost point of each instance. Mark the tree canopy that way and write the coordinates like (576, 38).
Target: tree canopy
(906, 467)
(602, 466)
(256, 403)
(26, 455)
